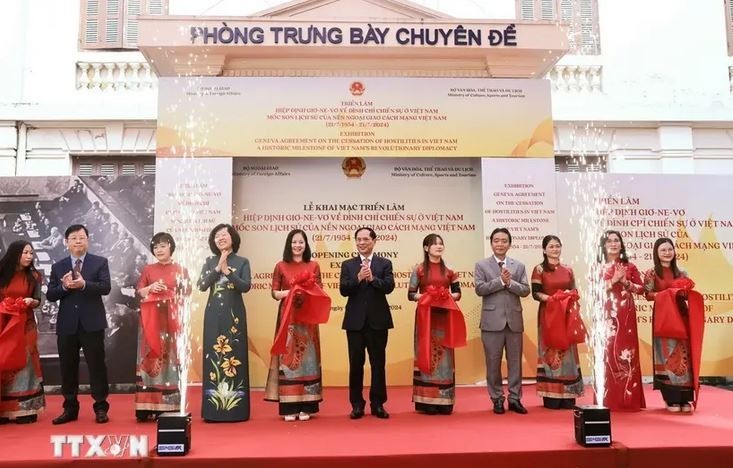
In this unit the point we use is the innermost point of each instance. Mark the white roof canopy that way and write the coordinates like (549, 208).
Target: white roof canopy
(349, 37)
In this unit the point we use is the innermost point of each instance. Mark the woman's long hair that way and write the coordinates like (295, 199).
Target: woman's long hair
(431, 239)
(288, 250)
(658, 263)
(10, 261)
(602, 254)
(546, 266)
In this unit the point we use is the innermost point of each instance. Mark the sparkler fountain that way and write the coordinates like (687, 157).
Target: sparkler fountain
(186, 218)
(587, 190)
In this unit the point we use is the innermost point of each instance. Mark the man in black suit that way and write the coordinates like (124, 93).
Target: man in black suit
(366, 280)
(79, 281)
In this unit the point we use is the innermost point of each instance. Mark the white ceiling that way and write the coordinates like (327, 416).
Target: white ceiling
(487, 9)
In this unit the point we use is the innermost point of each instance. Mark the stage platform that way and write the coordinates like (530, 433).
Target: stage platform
(472, 436)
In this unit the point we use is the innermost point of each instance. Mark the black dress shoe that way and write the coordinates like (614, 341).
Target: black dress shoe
(100, 416)
(431, 410)
(552, 403)
(380, 412)
(499, 406)
(65, 417)
(30, 418)
(517, 407)
(357, 412)
(567, 403)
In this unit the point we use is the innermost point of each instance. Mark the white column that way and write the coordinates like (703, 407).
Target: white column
(47, 153)
(676, 149)
(8, 148)
(134, 81)
(22, 149)
(83, 81)
(120, 80)
(108, 80)
(96, 80)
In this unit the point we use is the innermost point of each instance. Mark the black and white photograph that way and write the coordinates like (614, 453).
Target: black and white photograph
(118, 212)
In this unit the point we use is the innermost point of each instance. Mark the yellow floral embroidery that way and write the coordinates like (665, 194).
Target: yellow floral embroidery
(226, 396)
(222, 345)
(230, 366)
(229, 386)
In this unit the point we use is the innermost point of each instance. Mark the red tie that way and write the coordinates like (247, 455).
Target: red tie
(77, 269)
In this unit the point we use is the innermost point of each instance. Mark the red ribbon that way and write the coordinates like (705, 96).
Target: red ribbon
(12, 334)
(305, 303)
(455, 333)
(669, 322)
(154, 322)
(562, 324)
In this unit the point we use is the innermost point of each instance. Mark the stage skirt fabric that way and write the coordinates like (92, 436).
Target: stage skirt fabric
(21, 389)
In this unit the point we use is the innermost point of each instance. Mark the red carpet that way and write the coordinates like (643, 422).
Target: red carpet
(472, 435)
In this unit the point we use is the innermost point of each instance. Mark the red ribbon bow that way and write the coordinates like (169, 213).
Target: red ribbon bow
(305, 303)
(683, 283)
(562, 324)
(304, 279)
(12, 333)
(154, 322)
(668, 321)
(455, 333)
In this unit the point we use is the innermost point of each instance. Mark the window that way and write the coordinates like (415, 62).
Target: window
(581, 16)
(109, 166)
(588, 163)
(112, 24)
(729, 24)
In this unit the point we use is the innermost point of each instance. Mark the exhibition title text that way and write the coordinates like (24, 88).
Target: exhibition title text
(457, 36)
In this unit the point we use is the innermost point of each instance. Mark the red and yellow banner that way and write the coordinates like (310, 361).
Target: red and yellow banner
(343, 117)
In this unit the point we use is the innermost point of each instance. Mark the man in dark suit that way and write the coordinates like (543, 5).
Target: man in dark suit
(79, 281)
(501, 282)
(366, 280)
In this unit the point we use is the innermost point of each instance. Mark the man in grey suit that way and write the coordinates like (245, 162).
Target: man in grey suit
(501, 281)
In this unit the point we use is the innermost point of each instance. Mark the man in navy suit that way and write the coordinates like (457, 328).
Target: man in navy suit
(79, 281)
(366, 280)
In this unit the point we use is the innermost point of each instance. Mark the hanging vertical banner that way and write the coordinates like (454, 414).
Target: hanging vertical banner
(191, 197)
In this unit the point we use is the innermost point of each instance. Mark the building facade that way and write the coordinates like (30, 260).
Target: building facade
(643, 92)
